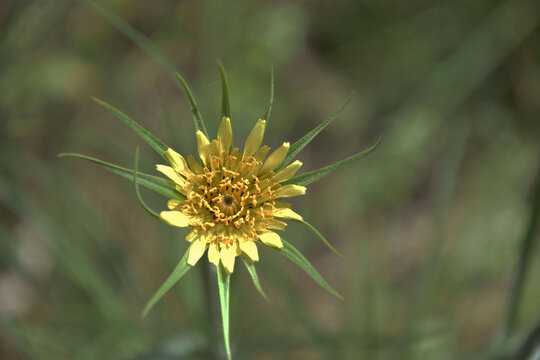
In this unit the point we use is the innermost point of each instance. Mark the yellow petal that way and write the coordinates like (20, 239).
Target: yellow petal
(275, 158)
(173, 203)
(249, 248)
(194, 165)
(175, 218)
(176, 160)
(287, 214)
(261, 153)
(196, 251)
(288, 172)
(270, 238)
(225, 133)
(290, 190)
(192, 235)
(170, 173)
(227, 256)
(202, 146)
(181, 188)
(254, 139)
(276, 225)
(213, 254)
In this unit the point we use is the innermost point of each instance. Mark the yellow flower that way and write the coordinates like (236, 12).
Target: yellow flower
(232, 197)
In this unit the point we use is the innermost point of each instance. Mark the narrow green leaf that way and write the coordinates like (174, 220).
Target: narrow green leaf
(180, 270)
(147, 136)
(154, 183)
(225, 102)
(224, 280)
(306, 139)
(294, 255)
(254, 277)
(137, 192)
(308, 178)
(321, 237)
(197, 118)
(271, 102)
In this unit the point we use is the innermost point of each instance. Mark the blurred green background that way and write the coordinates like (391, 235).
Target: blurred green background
(432, 223)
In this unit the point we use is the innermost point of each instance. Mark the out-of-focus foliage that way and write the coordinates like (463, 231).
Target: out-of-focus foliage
(431, 223)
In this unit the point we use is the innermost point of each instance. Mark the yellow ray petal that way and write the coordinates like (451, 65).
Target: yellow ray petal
(176, 160)
(196, 251)
(254, 139)
(173, 203)
(214, 149)
(288, 172)
(261, 153)
(181, 188)
(270, 238)
(225, 133)
(290, 190)
(249, 248)
(194, 165)
(213, 254)
(202, 146)
(175, 218)
(227, 256)
(275, 158)
(287, 214)
(275, 224)
(170, 173)
(192, 235)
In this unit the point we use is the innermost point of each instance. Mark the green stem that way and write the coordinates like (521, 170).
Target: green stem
(210, 307)
(524, 261)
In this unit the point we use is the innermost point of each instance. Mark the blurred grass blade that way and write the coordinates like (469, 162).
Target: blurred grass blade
(321, 237)
(142, 41)
(197, 118)
(147, 136)
(154, 183)
(524, 260)
(225, 102)
(294, 255)
(224, 280)
(271, 101)
(306, 139)
(308, 178)
(253, 273)
(137, 192)
(180, 270)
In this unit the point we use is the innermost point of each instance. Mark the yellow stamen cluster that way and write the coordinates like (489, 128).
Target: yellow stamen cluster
(231, 197)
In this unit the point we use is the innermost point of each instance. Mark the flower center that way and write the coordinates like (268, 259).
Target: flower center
(230, 197)
(227, 200)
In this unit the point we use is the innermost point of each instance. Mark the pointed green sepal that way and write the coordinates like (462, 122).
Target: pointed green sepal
(146, 135)
(254, 277)
(224, 280)
(154, 183)
(306, 139)
(137, 192)
(308, 178)
(225, 102)
(271, 101)
(197, 118)
(295, 256)
(180, 270)
(321, 237)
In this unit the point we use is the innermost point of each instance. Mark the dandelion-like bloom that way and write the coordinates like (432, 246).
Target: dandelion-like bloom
(232, 197)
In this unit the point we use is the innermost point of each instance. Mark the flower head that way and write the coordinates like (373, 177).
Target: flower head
(232, 196)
